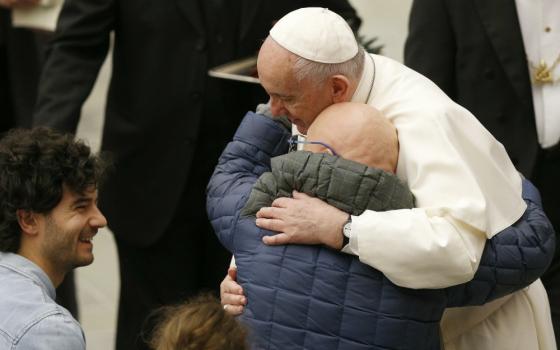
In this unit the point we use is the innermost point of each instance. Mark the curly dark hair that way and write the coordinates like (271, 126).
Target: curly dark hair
(199, 324)
(34, 164)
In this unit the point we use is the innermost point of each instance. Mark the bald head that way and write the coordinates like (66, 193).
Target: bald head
(357, 132)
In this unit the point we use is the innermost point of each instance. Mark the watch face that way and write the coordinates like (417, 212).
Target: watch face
(347, 229)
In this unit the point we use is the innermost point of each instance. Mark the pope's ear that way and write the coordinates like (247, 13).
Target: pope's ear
(340, 88)
(27, 221)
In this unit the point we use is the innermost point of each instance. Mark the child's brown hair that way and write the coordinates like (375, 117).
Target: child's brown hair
(200, 323)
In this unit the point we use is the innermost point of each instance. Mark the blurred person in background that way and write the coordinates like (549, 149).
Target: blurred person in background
(166, 123)
(25, 28)
(20, 61)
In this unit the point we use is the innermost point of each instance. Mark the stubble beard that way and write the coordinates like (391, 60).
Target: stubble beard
(61, 248)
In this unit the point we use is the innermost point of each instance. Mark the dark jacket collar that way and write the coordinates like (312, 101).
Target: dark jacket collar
(501, 23)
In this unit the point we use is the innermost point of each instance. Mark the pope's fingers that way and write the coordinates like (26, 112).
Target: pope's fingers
(278, 239)
(299, 195)
(270, 224)
(263, 212)
(281, 202)
(269, 212)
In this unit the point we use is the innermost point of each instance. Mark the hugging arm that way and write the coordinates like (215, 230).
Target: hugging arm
(512, 259)
(256, 141)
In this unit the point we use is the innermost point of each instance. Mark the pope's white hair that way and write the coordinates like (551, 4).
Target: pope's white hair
(320, 72)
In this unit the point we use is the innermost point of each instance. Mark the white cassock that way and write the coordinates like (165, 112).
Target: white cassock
(466, 191)
(466, 187)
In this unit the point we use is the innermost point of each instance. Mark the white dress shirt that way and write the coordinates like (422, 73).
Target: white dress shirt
(540, 28)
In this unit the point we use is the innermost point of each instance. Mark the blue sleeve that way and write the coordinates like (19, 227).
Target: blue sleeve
(256, 141)
(55, 331)
(512, 259)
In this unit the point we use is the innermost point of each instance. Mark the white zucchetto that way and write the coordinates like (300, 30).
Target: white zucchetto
(316, 34)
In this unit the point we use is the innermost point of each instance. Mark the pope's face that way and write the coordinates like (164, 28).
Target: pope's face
(67, 231)
(301, 101)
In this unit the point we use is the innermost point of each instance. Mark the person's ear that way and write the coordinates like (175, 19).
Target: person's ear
(27, 221)
(340, 88)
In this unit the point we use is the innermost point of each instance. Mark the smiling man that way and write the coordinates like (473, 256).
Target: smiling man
(48, 218)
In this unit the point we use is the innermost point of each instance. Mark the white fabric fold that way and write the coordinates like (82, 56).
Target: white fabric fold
(466, 187)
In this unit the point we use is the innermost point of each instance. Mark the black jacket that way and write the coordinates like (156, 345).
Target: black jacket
(473, 50)
(160, 96)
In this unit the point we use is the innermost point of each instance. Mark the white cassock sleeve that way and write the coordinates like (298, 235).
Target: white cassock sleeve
(417, 250)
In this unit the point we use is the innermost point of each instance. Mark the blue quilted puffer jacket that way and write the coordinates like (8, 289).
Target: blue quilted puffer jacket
(310, 297)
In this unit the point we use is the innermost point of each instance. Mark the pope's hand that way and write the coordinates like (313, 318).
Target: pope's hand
(302, 220)
(231, 293)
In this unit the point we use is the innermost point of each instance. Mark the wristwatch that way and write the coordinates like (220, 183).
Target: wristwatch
(346, 231)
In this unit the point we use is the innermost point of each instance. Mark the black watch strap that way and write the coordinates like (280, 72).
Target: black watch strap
(345, 240)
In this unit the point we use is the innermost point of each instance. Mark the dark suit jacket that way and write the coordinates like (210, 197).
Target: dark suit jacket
(20, 64)
(473, 49)
(158, 95)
